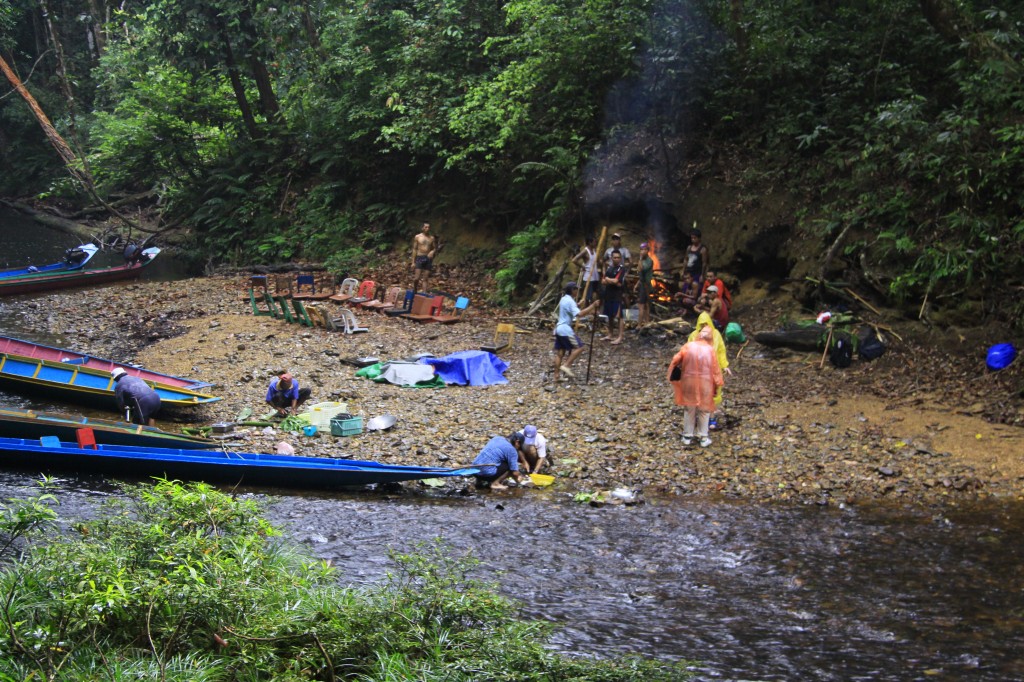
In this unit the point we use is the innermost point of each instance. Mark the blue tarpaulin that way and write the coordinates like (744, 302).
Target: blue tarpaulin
(473, 367)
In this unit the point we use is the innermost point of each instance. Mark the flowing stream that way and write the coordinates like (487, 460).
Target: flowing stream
(751, 592)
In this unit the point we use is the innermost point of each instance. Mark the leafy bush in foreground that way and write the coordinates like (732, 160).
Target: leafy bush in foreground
(182, 582)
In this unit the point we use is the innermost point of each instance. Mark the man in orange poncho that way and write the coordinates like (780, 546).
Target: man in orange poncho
(699, 379)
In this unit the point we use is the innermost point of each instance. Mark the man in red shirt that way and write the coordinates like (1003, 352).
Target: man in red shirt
(723, 292)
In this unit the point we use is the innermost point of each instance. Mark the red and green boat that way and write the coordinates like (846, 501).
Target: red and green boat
(33, 283)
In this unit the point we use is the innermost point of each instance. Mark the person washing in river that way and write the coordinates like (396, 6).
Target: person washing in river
(284, 394)
(135, 397)
(498, 460)
(533, 455)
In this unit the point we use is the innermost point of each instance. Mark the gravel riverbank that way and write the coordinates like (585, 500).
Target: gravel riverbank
(916, 427)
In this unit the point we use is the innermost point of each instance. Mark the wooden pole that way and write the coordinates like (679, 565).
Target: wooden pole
(828, 344)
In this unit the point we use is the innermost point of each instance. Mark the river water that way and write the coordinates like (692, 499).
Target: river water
(752, 592)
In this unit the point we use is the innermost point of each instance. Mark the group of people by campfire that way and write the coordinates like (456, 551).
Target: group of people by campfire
(696, 372)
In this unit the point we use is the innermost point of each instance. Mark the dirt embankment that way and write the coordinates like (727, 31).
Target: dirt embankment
(914, 427)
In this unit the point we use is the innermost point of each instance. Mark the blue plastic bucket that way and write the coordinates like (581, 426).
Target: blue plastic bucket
(309, 430)
(1000, 356)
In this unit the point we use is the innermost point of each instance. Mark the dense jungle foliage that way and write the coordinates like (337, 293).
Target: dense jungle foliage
(183, 582)
(319, 128)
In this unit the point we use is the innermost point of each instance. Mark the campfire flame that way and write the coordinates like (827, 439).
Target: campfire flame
(659, 291)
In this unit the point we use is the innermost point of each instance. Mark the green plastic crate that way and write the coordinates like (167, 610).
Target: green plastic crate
(347, 427)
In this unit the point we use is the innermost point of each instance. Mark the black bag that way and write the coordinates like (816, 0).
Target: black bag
(841, 354)
(676, 375)
(871, 348)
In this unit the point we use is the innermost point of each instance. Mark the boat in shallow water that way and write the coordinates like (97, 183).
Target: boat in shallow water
(75, 382)
(236, 468)
(15, 423)
(74, 259)
(37, 282)
(31, 349)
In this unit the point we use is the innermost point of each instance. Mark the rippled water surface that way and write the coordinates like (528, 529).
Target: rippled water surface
(754, 593)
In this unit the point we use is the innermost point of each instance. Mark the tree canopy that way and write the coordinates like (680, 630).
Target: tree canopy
(288, 130)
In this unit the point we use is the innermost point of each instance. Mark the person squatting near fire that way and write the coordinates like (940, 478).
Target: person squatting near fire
(284, 394)
(695, 378)
(566, 339)
(135, 397)
(498, 460)
(687, 295)
(711, 302)
(533, 455)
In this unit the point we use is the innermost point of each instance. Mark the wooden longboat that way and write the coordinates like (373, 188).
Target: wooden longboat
(30, 424)
(31, 349)
(75, 382)
(235, 468)
(74, 259)
(35, 283)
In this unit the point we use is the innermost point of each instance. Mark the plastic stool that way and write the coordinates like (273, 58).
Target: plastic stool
(86, 438)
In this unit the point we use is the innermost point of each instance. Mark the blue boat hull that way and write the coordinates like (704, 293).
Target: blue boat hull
(16, 423)
(74, 259)
(236, 468)
(76, 382)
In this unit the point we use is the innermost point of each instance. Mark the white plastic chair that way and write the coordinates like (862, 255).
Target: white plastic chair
(349, 319)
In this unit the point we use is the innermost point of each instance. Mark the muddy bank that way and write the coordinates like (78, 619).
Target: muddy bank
(914, 427)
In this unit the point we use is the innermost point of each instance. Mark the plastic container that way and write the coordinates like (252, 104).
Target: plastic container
(321, 414)
(309, 430)
(1000, 356)
(347, 427)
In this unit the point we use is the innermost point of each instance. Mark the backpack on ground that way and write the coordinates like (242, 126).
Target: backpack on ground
(841, 354)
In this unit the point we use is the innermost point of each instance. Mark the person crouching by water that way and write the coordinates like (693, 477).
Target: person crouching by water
(285, 396)
(135, 398)
(533, 455)
(498, 460)
(695, 384)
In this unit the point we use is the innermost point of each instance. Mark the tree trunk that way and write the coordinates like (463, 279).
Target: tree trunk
(957, 27)
(62, 148)
(311, 33)
(97, 26)
(236, 81)
(268, 100)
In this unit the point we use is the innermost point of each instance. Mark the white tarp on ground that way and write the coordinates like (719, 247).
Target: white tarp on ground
(406, 373)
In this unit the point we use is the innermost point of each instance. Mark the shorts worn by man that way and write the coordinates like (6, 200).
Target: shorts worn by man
(498, 460)
(136, 397)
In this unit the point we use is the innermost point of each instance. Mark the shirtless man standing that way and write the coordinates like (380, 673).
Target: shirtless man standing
(424, 246)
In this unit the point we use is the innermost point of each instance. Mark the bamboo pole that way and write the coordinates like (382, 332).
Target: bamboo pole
(862, 301)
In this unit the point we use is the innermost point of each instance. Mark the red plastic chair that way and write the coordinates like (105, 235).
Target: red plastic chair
(86, 438)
